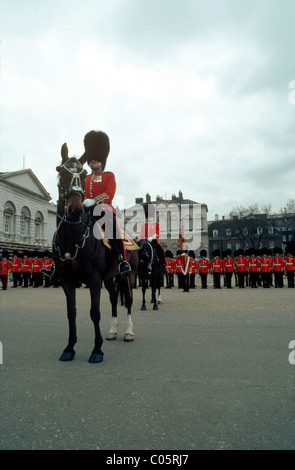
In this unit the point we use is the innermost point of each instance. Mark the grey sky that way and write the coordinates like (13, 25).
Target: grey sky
(194, 95)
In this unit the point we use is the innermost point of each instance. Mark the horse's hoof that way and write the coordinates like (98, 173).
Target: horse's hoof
(155, 307)
(95, 358)
(143, 307)
(111, 336)
(128, 337)
(67, 356)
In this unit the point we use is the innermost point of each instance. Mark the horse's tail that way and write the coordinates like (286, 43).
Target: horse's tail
(124, 291)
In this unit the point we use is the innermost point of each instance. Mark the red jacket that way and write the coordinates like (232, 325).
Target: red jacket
(101, 183)
(278, 264)
(203, 265)
(241, 264)
(26, 265)
(4, 267)
(289, 263)
(216, 265)
(47, 264)
(148, 230)
(16, 265)
(36, 265)
(228, 265)
(265, 264)
(254, 264)
(193, 265)
(170, 265)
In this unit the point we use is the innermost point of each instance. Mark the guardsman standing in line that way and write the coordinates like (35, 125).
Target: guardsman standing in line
(203, 268)
(47, 267)
(193, 266)
(228, 268)
(216, 268)
(16, 268)
(179, 269)
(36, 270)
(265, 264)
(241, 267)
(4, 269)
(170, 267)
(254, 267)
(290, 265)
(26, 268)
(278, 266)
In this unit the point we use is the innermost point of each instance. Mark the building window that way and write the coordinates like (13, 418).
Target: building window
(228, 246)
(7, 222)
(271, 245)
(270, 230)
(245, 232)
(259, 230)
(228, 232)
(238, 246)
(38, 222)
(24, 223)
(215, 233)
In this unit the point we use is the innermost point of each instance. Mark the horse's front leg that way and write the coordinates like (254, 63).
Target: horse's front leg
(69, 353)
(113, 295)
(143, 305)
(97, 354)
(154, 290)
(129, 335)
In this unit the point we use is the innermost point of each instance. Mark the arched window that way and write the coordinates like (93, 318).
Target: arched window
(25, 222)
(9, 218)
(38, 226)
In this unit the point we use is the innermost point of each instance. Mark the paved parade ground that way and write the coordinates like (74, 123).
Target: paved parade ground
(209, 370)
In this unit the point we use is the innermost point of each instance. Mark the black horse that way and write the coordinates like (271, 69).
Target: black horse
(81, 257)
(150, 270)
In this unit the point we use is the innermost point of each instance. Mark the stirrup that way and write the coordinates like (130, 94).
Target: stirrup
(124, 268)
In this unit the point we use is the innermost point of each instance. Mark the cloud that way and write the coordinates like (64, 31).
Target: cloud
(193, 94)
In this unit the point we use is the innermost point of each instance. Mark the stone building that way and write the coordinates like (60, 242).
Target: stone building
(256, 231)
(27, 217)
(174, 215)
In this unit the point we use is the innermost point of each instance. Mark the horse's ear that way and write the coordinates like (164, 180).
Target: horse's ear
(64, 153)
(83, 159)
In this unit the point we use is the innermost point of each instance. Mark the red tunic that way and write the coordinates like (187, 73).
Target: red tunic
(101, 184)
(203, 265)
(16, 265)
(148, 230)
(4, 267)
(228, 265)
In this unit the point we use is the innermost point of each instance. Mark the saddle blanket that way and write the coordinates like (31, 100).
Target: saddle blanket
(128, 242)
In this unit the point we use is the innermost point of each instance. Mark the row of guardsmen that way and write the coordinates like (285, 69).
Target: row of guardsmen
(26, 269)
(253, 268)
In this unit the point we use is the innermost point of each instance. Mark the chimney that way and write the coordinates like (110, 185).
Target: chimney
(148, 198)
(216, 218)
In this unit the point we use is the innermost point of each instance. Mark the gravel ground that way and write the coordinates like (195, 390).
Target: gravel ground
(208, 370)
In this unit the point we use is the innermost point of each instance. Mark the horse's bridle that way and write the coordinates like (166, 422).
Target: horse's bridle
(76, 169)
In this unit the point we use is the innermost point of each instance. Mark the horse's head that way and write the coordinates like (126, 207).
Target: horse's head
(71, 182)
(145, 252)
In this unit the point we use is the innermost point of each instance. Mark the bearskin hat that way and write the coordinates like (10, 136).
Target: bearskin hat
(5, 254)
(191, 254)
(252, 251)
(168, 254)
(216, 253)
(97, 147)
(228, 252)
(203, 253)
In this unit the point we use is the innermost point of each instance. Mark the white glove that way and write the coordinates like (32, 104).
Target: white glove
(89, 203)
